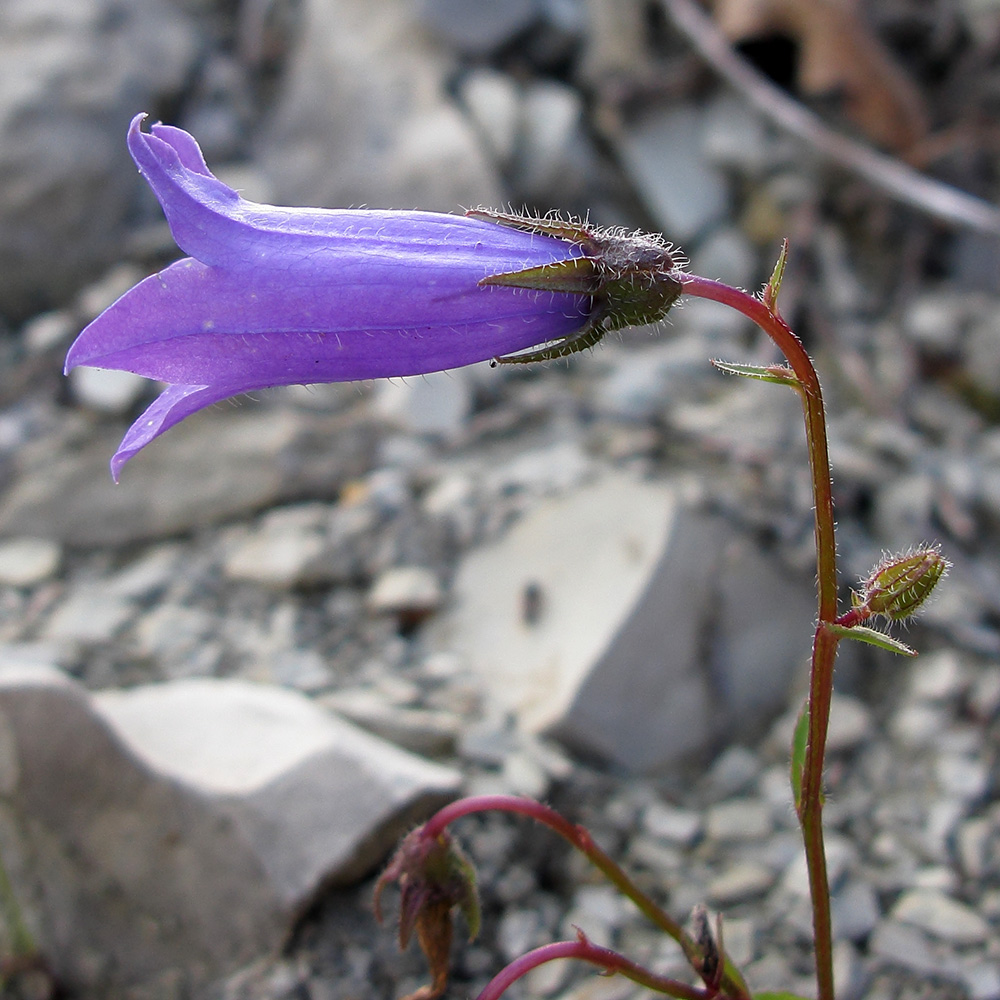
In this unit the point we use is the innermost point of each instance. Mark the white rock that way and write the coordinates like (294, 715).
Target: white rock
(438, 403)
(904, 945)
(27, 561)
(916, 725)
(727, 255)
(935, 320)
(518, 931)
(841, 855)
(493, 101)
(855, 911)
(664, 157)
(90, 614)
(941, 916)
(105, 390)
(981, 979)
(590, 556)
(184, 826)
(982, 354)
(850, 723)
(405, 590)
(642, 381)
(179, 487)
(738, 820)
(937, 676)
(672, 824)
(961, 775)
(541, 471)
(587, 622)
(739, 940)
(477, 30)
(735, 770)
(735, 136)
(424, 731)
(60, 217)
(762, 619)
(48, 330)
(280, 551)
(738, 883)
(552, 115)
(973, 846)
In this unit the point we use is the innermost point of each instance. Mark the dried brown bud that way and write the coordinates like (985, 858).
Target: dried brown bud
(435, 877)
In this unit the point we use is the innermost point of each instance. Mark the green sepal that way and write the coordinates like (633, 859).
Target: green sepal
(734, 975)
(574, 275)
(561, 229)
(588, 336)
(631, 279)
(871, 636)
(770, 294)
(468, 902)
(800, 740)
(779, 374)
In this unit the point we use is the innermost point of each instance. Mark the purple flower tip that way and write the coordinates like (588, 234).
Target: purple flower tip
(274, 296)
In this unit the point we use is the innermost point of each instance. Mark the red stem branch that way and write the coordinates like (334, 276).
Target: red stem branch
(732, 982)
(583, 950)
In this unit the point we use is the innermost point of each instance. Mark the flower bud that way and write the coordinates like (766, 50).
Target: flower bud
(900, 584)
(435, 877)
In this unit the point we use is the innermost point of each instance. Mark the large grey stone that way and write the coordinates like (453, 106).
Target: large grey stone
(941, 916)
(364, 120)
(216, 465)
(588, 622)
(662, 152)
(72, 74)
(173, 832)
(478, 29)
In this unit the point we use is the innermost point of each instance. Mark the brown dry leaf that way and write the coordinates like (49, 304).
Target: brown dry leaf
(839, 56)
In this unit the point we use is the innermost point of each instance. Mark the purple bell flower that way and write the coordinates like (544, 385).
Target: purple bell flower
(286, 296)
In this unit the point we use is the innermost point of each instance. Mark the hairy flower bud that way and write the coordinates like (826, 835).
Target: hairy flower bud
(899, 584)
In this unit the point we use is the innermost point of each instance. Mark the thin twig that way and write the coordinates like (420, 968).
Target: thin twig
(897, 179)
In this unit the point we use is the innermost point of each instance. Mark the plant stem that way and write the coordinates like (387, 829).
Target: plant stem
(576, 835)
(810, 803)
(812, 401)
(583, 950)
(732, 982)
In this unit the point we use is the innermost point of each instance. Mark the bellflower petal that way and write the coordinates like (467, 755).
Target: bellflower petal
(279, 296)
(172, 405)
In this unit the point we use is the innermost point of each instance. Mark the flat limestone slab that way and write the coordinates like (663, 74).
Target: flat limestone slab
(629, 625)
(582, 560)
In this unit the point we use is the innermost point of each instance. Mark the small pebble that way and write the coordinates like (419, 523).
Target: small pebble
(405, 590)
(669, 823)
(738, 820)
(941, 916)
(107, 391)
(742, 881)
(25, 562)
